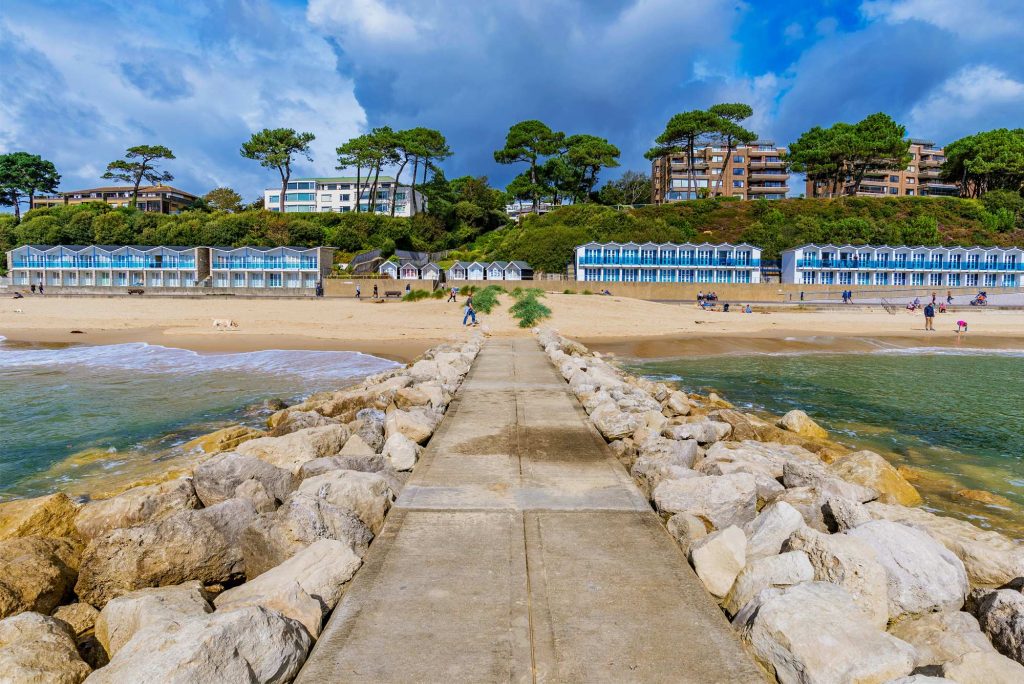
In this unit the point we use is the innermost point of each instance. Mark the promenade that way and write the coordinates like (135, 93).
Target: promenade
(521, 551)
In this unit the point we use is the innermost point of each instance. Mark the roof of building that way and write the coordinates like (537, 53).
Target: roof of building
(129, 188)
(520, 264)
(500, 264)
(111, 248)
(343, 179)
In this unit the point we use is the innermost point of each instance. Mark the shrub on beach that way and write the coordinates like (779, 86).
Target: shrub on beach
(528, 308)
(416, 295)
(486, 299)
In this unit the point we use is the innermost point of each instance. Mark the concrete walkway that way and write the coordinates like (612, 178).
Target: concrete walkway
(520, 551)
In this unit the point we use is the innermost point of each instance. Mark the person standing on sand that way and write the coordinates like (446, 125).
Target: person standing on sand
(933, 299)
(359, 292)
(929, 317)
(451, 295)
(949, 296)
(375, 290)
(470, 312)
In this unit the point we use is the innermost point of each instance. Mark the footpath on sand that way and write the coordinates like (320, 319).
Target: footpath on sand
(521, 551)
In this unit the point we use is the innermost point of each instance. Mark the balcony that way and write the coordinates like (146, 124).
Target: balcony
(876, 265)
(264, 265)
(105, 264)
(780, 189)
(677, 261)
(765, 164)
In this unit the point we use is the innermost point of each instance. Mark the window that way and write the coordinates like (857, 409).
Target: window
(808, 277)
(302, 185)
(934, 279)
(399, 196)
(325, 198)
(910, 181)
(954, 280)
(716, 158)
(894, 191)
(899, 278)
(300, 197)
(737, 158)
(894, 179)
(845, 278)
(737, 172)
(990, 280)
(972, 280)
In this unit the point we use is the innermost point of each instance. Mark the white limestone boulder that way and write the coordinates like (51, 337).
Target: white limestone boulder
(291, 451)
(126, 615)
(779, 571)
(813, 632)
(318, 573)
(941, 637)
(365, 494)
(704, 431)
(991, 559)
(416, 425)
(678, 404)
(136, 506)
(199, 545)
(817, 475)
(218, 479)
(246, 645)
(37, 648)
(870, 470)
(770, 529)
(850, 564)
(401, 452)
(721, 500)
(614, 423)
(799, 422)
(686, 529)
(718, 558)
(922, 575)
(302, 519)
(983, 668)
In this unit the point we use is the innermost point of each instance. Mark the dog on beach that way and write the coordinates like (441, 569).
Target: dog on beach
(224, 324)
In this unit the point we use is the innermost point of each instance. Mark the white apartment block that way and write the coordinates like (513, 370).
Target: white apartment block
(668, 262)
(903, 266)
(341, 195)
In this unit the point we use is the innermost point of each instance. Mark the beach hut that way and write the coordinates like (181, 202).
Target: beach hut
(430, 271)
(496, 270)
(475, 271)
(389, 269)
(409, 271)
(457, 271)
(518, 270)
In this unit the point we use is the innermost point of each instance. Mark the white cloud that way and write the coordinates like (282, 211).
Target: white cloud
(970, 92)
(369, 19)
(198, 83)
(976, 19)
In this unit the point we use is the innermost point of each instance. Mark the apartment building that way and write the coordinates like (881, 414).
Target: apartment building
(169, 267)
(162, 199)
(903, 266)
(755, 171)
(341, 194)
(921, 178)
(668, 262)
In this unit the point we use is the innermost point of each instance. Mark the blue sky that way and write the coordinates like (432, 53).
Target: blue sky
(80, 81)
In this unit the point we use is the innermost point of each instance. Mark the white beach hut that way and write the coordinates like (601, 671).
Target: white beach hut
(389, 268)
(475, 271)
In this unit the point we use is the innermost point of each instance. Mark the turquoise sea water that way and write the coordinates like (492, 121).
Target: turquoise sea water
(88, 413)
(958, 415)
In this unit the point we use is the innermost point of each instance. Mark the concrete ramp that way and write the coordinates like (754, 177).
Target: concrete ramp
(521, 551)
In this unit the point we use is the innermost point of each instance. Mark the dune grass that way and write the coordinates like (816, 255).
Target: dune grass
(528, 308)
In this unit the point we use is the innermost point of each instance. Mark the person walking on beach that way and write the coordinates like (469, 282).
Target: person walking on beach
(40, 287)
(359, 292)
(375, 290)
(929, 317)
(949, 296)
(451, 294)
(469, 311)
(933, 299)
(408, 288)
(33, 288)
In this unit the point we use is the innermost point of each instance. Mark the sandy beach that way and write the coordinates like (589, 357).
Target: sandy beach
(402, 330)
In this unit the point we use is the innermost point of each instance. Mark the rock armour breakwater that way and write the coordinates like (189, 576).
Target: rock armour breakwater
(816, 554)
(227, 573)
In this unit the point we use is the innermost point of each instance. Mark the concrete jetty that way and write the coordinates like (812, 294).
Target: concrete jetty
(521, 551)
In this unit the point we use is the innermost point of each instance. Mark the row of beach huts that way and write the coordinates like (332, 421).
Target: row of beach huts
(460, 270)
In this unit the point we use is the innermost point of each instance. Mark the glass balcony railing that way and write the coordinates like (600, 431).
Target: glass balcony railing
(841, 264)
(257, 264)
(83, 264)
(695, 263)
